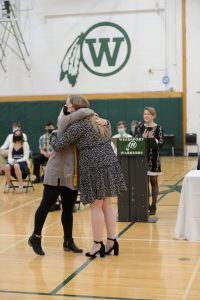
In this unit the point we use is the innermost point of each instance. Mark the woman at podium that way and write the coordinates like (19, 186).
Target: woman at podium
(154, 133)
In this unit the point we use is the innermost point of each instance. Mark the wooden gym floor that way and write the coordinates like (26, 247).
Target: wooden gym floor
(151, 264)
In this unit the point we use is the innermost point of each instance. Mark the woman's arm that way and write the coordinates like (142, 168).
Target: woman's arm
(137, 132)
(160, 136)
(26, 152)
(10, 158)
(70, 136)
(66, 121)
(6, 143)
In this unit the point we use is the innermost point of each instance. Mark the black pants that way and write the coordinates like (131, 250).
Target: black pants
(37, 162)
(50, 195)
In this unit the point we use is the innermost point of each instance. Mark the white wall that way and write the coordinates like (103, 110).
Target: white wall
(154, 26)
(50, 27)
(193, 67)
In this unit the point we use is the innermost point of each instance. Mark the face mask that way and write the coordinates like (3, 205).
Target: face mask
(49, 130)
(15, 128)
(121, 131)
(65, 111)
(133, 130)
(17, 138)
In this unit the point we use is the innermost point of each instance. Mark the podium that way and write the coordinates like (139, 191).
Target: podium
(132, 154)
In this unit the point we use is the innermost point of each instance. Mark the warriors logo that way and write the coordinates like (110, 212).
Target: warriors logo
(104, 50)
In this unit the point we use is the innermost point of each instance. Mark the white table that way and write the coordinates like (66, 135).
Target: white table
(188, 218)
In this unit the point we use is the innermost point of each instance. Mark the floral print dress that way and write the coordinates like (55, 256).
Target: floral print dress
(154, 164)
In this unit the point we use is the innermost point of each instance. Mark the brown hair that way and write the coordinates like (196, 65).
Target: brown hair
(134, 122)
(151, 110)
(21, 133)
(121, 123)
(79, 101)
(16, 124)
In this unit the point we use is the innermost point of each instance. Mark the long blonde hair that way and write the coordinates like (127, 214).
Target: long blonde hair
(79, 101)
(102, 131)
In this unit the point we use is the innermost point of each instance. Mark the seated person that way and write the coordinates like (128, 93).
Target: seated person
(134, 124)
(45, 151)
(18, 161)
(4, 148)
(121, 128)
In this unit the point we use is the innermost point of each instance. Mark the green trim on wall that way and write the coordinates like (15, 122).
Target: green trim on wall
(169, 115)
(34, 114)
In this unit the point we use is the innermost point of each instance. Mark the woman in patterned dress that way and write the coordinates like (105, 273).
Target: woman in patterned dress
(100, 175)
(151, 130)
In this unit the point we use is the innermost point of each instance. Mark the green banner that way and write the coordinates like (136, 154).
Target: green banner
(131, 146)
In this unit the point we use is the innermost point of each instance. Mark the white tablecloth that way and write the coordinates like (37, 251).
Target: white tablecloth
(188, 218)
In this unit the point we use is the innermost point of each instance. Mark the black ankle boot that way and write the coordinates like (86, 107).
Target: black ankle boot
(101, 251)
(115, 247)
(70, 245)
(152, 209)
(35, 242)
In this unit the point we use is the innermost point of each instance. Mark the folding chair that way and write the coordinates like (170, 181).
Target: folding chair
(26, 179)
(28, 183)
(191, 142)
(42, 170)
(169, 141)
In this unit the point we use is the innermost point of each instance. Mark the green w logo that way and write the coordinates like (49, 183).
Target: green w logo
(103, 54)
(104, 49)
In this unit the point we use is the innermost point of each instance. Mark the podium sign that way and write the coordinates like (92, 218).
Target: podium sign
(133, 204)
(131, 146)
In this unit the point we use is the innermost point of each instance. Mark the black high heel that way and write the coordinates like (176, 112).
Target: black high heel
(35, 242)
(115, 247)
(101, 251)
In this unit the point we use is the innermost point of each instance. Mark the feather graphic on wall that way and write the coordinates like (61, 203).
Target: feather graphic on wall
(71, 61)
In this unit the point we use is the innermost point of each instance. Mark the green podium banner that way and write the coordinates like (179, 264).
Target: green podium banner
(131, 146)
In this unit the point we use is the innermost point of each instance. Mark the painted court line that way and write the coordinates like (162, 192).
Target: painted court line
(90, 238)
(187, 291)
(25, 239)
(76, 272)
(71, 296)
(83, 266)
(20, 206)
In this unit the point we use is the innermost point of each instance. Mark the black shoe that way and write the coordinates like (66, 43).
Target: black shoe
(70, 245)
(36, 180)
(55, 207)
(115, 247)
(101, 251)
(152, 209)
(2, 172)
(35, 242)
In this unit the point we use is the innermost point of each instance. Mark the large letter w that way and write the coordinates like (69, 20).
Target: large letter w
(104, 48)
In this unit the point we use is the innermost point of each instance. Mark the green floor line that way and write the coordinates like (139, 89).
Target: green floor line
(23, 293)
(70, 277)
(71, 296)
(101, 297)
(83, 266)
(172, 188)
